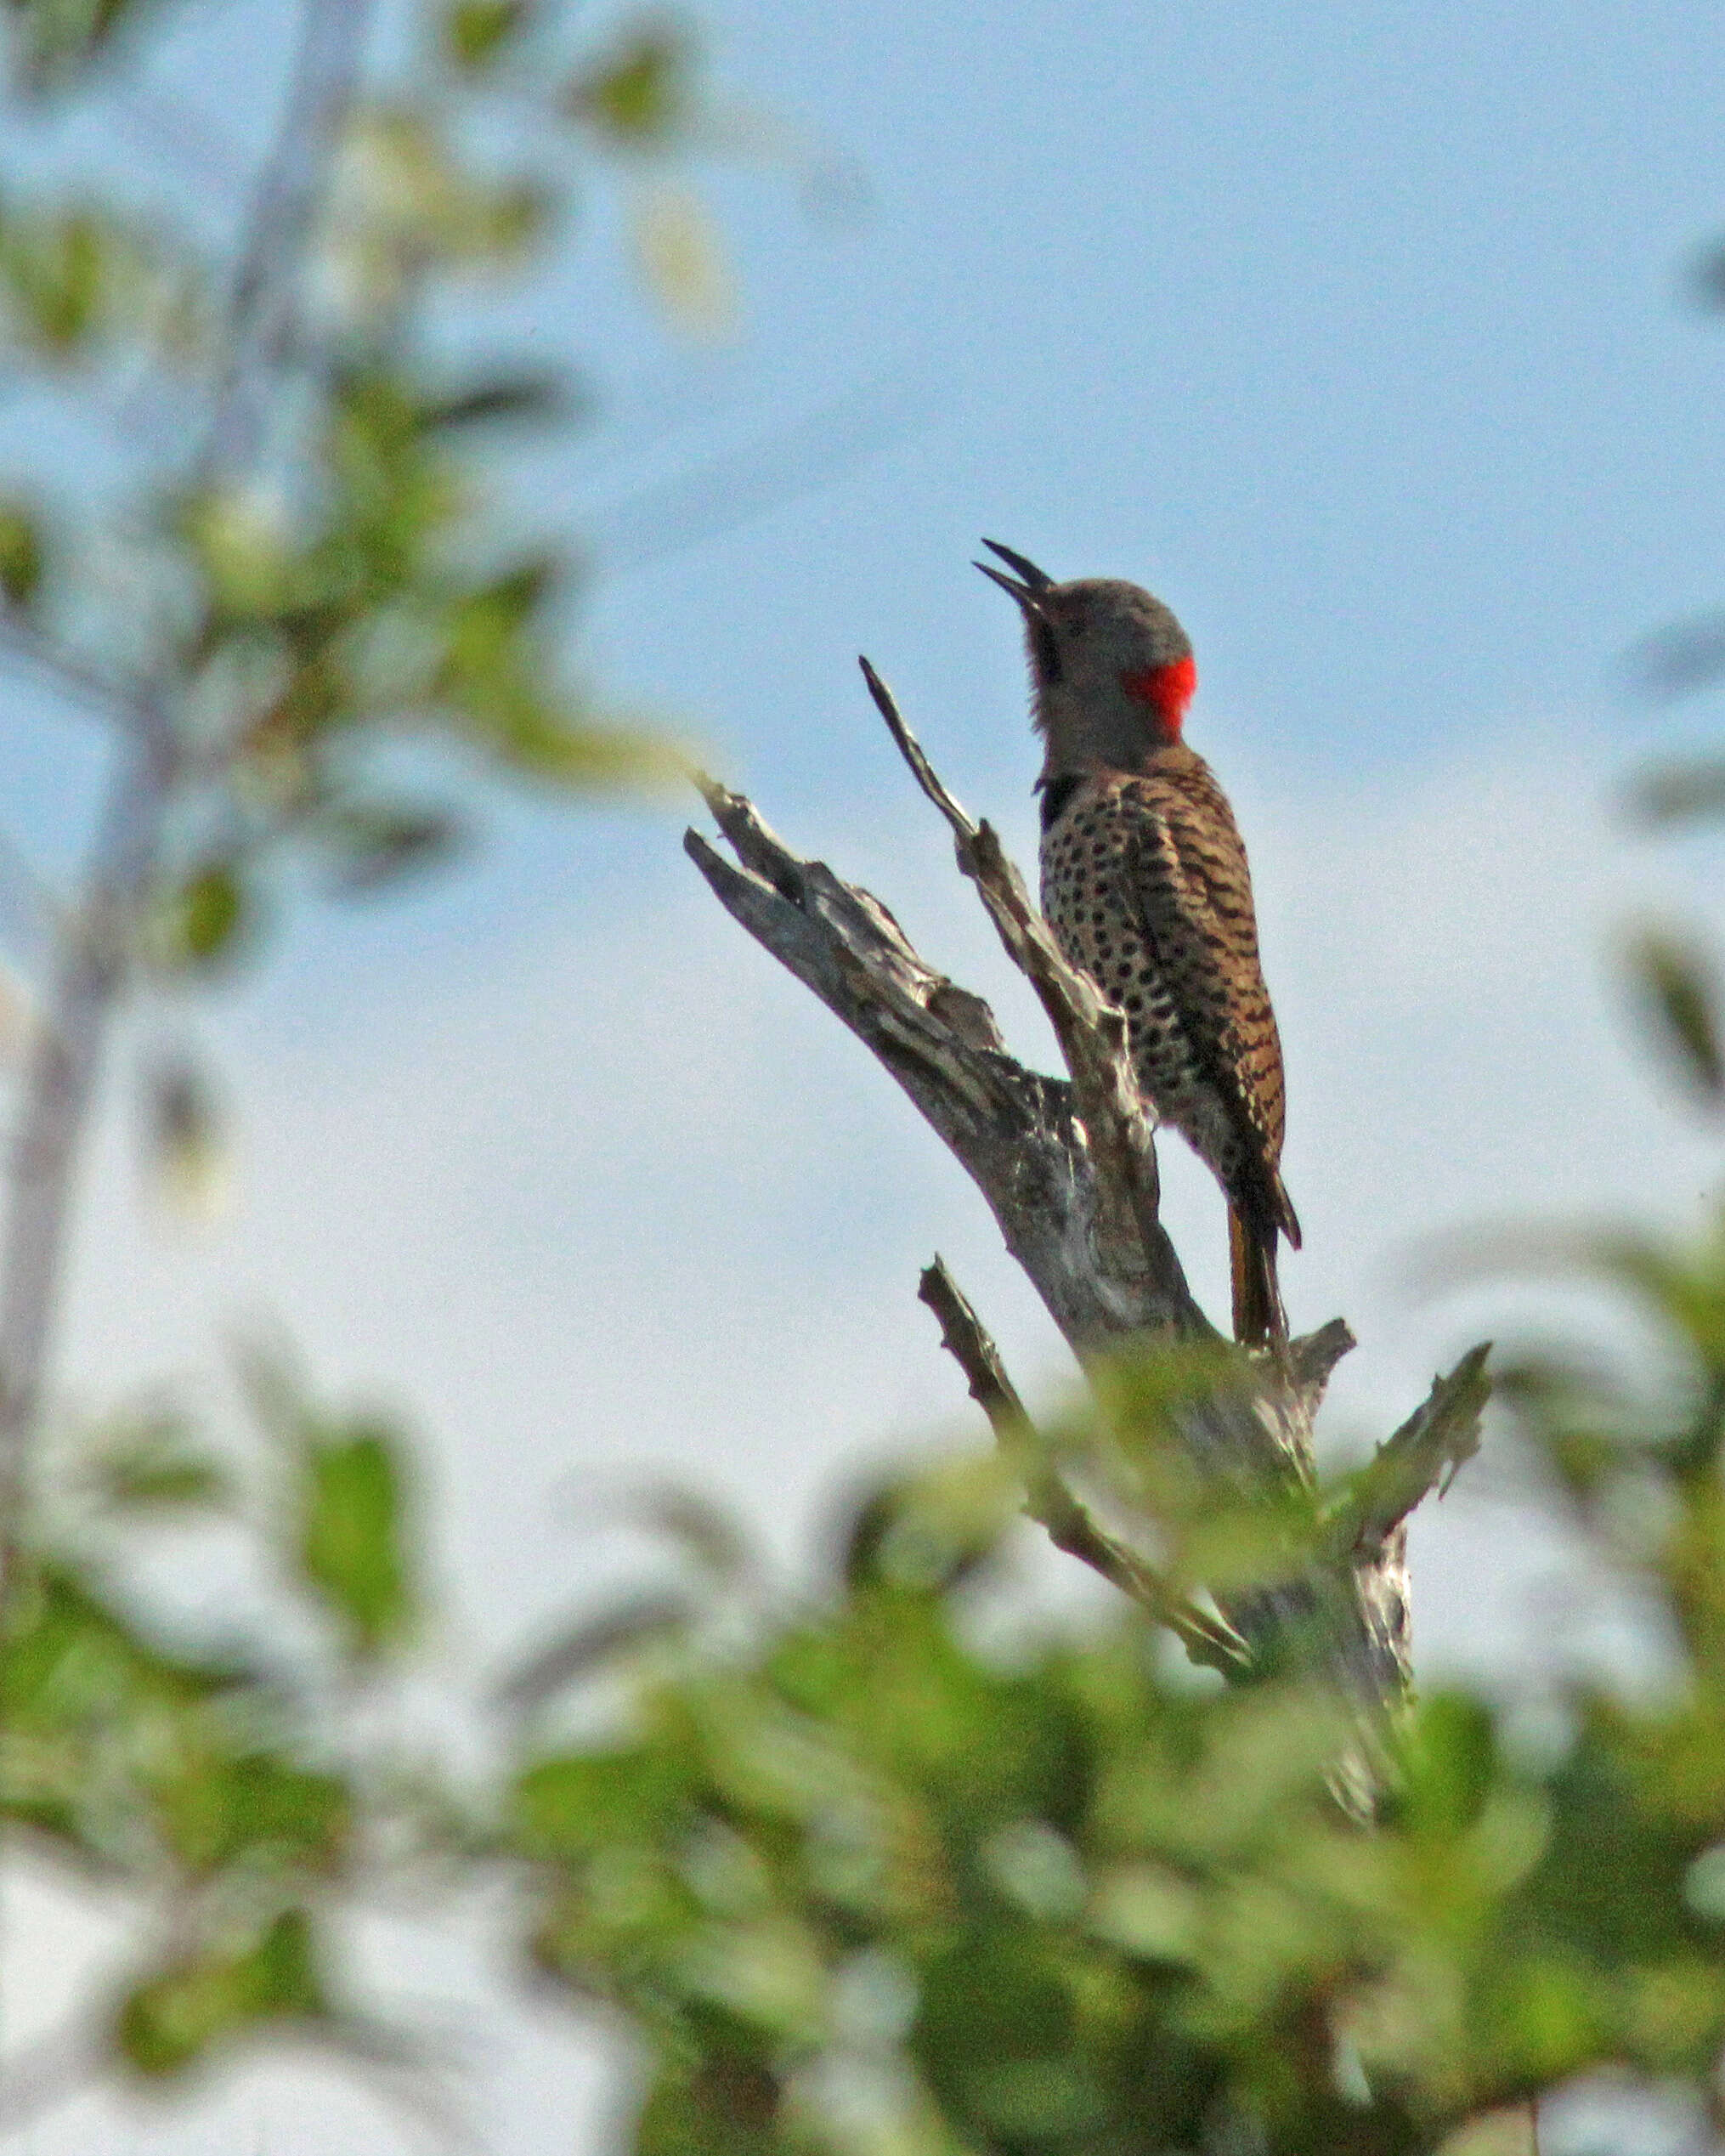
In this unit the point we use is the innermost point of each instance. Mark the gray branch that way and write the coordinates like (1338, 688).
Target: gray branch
(1049, 1501)
(93, 961)
(263, 296)
(1427, 1453)
(1067, 1167)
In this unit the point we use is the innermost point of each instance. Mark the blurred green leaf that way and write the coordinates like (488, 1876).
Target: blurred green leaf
(20, 552)
(352, 1532)
(1674, 980)
(640, 93)
(407, 201)
(927, 1530)
(579, 1803)
(56, 39)
(205, 2000)
(593, 1644)
(217, 1806)
(56, 274)
(202, 923)
(1448, 1764)
(477, 32)
(79, 282)
(150, 1463)
(722, 2106)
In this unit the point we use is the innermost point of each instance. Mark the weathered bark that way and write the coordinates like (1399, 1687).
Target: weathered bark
(1068, 1168)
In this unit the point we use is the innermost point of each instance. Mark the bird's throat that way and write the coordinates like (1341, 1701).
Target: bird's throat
(1165, 693)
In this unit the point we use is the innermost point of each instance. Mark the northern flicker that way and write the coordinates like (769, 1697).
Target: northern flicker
(1145, 887)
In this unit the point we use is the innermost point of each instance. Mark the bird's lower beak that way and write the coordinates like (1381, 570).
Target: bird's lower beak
(1035, 581)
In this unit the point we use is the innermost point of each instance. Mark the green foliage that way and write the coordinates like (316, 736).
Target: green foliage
(57, 40)
(212, 1774)
(478, 32)
(325, 567)
(864, 1884)
(152, 1462)
(351, 1539)
(641, 94)
(20, 554)
(176, 2016)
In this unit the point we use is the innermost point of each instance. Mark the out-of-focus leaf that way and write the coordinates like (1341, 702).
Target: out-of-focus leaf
(547, 745)
(1148, 1909)
(715, 1539)
(478, 33)
(926, 1530)
(1682, 659)
(89, 1705)
(523, 399)
(189, 1152)
(150, 1464)
(78, 283)
(352, 1541)
(219, 1808)
(640, 95)
(202, 923)
(20, 552)
(240, 539)
(1449, 1761)
(1675, 984)
(404, 200)
(374, 843)
(54, 271)
(1680, 794)
(725, 2106)
(494, 678)
(56, 40)
(593, 1644)
(683, 259)
(201, 2001)
(582, 1802)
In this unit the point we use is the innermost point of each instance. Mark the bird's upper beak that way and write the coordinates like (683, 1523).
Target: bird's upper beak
(1027, 586)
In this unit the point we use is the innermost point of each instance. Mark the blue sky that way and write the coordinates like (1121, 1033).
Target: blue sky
(1358, 333)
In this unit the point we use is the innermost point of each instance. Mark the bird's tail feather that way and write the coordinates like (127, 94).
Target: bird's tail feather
(1259, 1315)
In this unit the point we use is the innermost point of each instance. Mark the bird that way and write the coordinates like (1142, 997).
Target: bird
(1146, 888)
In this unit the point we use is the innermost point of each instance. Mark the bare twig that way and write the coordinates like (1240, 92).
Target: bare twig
(79, 680)
(1207, 1639)
(59, 1080)
(1091, 1031)
(964, 1339)
(277, 226)
(1426, 1453)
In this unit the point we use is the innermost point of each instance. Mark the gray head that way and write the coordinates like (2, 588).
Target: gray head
(1112, 671)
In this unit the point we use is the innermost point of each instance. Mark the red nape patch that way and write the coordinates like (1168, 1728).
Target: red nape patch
(1166, 690)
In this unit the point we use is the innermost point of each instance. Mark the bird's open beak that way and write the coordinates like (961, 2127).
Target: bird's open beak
(1035, 581)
